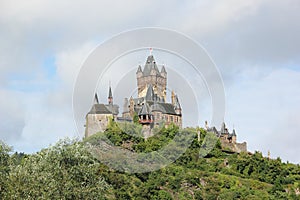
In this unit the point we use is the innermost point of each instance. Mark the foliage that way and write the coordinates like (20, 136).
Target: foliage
(135, 118)
(68, 171)
(64, 170)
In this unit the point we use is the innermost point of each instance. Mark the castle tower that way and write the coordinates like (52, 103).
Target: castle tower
(151, 75)
(131, 106)
(98, 117)
(125, 106)
(173, 98)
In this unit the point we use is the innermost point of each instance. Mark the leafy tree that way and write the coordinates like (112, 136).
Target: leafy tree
(4, 166)
(65, 170)
(135, 118)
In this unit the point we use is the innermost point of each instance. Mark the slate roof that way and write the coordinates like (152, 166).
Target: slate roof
(144, 110)
(99, 109)
(150, 93)
(166, 108)
(150, 64)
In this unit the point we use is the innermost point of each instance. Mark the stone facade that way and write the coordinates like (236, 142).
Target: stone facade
(96, 123)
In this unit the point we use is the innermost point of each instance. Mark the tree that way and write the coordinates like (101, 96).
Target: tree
(65, 170)
(135, 118)
(4, 166)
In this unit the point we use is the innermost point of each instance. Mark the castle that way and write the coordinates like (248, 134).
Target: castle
(150, 106)
(227, 139)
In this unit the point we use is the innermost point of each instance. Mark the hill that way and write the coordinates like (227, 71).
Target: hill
(68, 170)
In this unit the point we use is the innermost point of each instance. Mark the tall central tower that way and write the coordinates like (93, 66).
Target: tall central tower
(151, 75)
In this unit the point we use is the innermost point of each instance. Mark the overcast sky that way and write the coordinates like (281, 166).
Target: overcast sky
(255, 45)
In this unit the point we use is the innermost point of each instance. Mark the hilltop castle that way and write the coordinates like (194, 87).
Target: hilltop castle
(150, 106)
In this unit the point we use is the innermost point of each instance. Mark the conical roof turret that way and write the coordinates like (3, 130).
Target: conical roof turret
(96, 100)
(163, 69)
(139, 69)
(150, 93)
(144, 110)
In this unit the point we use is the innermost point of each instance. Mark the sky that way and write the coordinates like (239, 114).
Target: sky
(255, 45)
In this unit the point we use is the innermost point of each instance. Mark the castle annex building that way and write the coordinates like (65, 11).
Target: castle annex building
(150, 105)
(227, 139)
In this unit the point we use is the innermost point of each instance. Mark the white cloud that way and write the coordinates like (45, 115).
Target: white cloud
(12, 114)
(210, 17)
(266, 112)
(255, 44)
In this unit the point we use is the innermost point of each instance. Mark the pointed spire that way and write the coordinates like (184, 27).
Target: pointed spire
(110, 97)
(233, 132)
(223, 128)
(150, 93)
(96, 100)
(163, 69)
(177, 104)
(109, 93)
(139, 69)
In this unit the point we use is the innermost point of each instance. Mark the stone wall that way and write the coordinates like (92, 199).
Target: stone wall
(235, 147)
(96, 123)
(159, 85)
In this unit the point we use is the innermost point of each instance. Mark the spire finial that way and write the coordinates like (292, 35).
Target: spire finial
(150, 50)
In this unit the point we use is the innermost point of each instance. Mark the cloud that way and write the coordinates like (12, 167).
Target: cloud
(12, 117)
(263, 33)
(265, 111)
(254, 43)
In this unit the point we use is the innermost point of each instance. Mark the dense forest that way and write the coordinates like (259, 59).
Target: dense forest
(68, 170)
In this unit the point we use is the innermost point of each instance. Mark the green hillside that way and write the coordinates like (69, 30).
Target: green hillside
(67, 170)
